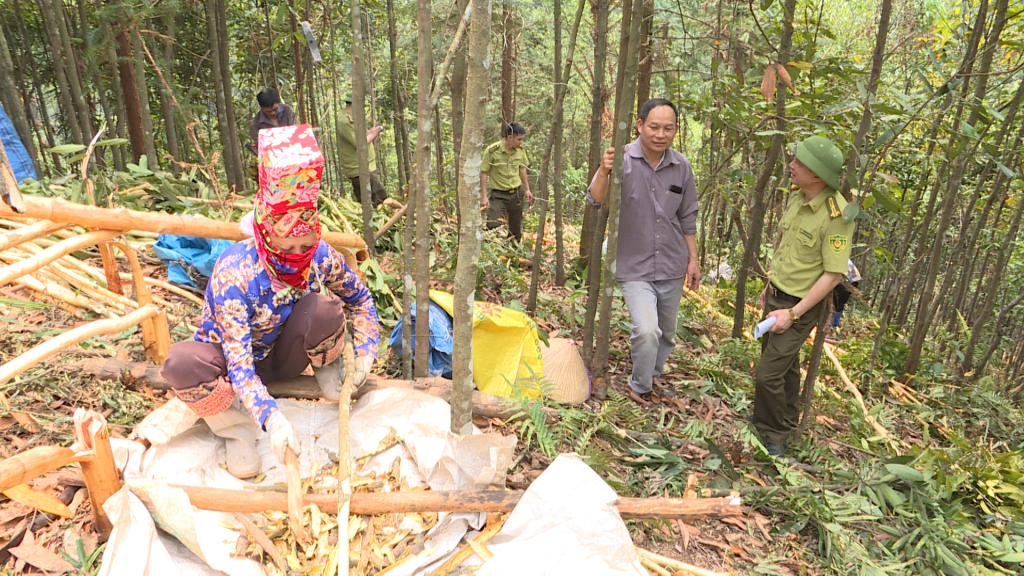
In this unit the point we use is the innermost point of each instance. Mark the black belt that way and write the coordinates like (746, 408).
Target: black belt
(776, 293)
(509, 191)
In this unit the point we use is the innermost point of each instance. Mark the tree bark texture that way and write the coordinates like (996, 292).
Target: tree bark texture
(596, 118)
(470, 223)
(13, 104)
(507, 39)
(423, 219)
(359, 120)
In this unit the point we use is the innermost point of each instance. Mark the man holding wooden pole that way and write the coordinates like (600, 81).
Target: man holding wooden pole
(275, 304)
(657, 243)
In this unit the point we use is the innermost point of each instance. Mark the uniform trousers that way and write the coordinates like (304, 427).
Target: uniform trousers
(507, 202)
(377, 191)
(777, 383)
(653, 310)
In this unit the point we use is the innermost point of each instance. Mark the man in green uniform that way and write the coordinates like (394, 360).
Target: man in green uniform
(809, 262)
(502, 174)
(350, 165)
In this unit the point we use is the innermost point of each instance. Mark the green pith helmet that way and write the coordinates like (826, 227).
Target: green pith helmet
(822, 157)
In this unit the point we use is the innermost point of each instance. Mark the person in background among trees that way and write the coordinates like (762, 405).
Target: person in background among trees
(657, 245)
(841, 295)
(349, 162)
(809, 262)
(273, 113)
(275, 304)
(503, 179)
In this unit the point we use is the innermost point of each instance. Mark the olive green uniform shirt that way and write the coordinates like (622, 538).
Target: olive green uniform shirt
(815, 239)
(349, 163)
(502, 167)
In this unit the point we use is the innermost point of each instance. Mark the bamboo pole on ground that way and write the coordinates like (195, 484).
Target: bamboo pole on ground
(467, 550)
(156, 335)
(676, 565)
(855, 392)
(30, 232)
(25, 466)
(59, 210)
(54, 252)
(154, 282)
(47, 349)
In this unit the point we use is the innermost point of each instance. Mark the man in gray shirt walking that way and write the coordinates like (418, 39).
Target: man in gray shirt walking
(657, 244)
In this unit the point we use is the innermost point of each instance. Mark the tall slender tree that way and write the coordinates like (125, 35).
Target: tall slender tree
(470, 223)
(359, 121)
(13, 104)
(423, 120)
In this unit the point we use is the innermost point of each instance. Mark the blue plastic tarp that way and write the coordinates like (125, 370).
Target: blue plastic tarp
(21, 162)
(189, 260)
(439, 362)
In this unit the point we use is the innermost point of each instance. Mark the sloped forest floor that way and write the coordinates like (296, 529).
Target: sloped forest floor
(942, 494)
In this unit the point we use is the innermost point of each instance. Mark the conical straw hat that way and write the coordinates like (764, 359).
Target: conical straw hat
(564, 369)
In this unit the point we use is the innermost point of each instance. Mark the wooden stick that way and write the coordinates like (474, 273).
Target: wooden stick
(294, 496)
(650, 564)
(30, 232)
(676, 564)
(345, 454)
(465, 551)
(54, 252)
(266, 543)
(870, 419)
(23, 467)
(156, 335)
(391, 222)
(59, 210)
(113, 277)
(367, 504)
(47, 349)
(102, 478)
(58, 292)
(154, 282)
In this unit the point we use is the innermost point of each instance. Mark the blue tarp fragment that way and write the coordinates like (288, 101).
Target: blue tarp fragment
(189, 260)
(21, 163)
(439, 363)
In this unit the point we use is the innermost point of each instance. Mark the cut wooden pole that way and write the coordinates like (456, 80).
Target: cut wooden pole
(156, 335)
(345, 455)
(154, 282)
(62, 248)
(23, 467)
(855, 392)
(30, 232)
(291, 462)
(391, 222)
(226, 500)
(102, 478)
(47, 349)
(59, 210)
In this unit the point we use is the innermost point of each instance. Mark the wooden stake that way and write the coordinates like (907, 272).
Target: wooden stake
(391, 221)
(54, 252)
(110, 269)
(59, 210)
(102, 478)
(30, 232)
(291, 462)
(47, 349)
(156, 336)
(345, 455)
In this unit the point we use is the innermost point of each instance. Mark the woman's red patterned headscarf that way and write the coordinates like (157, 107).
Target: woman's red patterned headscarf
(290, 166)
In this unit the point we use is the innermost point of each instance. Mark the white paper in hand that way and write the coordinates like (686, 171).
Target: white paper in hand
(763, 328)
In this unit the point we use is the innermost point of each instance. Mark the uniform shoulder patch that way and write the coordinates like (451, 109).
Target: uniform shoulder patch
(833, 208)
(838, 242)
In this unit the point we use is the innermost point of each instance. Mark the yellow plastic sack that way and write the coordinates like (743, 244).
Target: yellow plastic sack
(506, 348)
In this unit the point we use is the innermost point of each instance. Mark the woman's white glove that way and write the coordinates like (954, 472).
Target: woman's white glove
(282, 435)
(364, 364)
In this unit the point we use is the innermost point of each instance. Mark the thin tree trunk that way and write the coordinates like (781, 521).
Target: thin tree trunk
(74, 78)
(143, 85)
(241, 183)
(506, 64)
(359, 121)
(470, 223)
(807, 395)
(218, 86)
(398, 115)
(596, 120)
(122, 125)
(170, 127)
(997, 334)
(13, 104)
(643, 82)
(623, 130)
(438, 149)
(130, 93)
(297, 56)
(556, 131)
(423, 121)
(627, 15)
(458, 91)
(63, 90)
(752, 246)
(556, 153)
